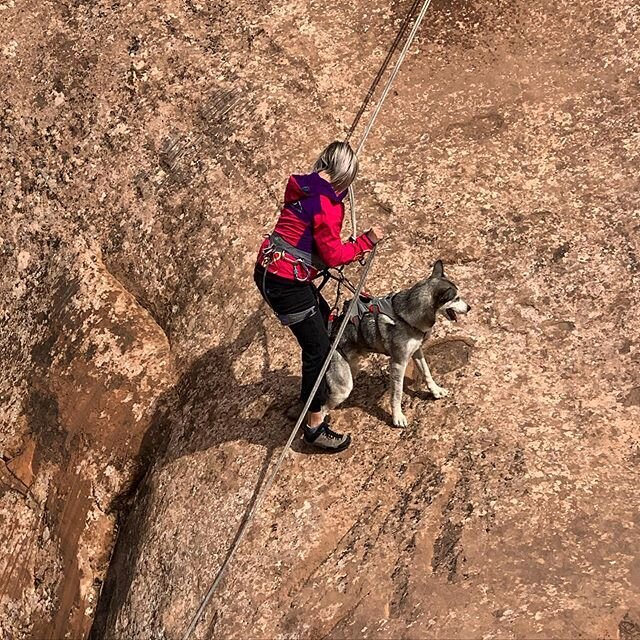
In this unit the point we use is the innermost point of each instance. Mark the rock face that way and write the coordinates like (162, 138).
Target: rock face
(144, 152)
(86, 387)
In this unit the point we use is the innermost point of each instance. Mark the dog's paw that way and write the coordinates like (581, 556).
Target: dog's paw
(438, 391)
(399, 419)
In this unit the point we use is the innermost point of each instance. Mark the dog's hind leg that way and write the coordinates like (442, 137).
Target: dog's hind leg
(423, 367)
(397, 369)
(339, 382)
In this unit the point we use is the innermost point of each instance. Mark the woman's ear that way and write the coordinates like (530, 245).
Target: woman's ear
(438, 270)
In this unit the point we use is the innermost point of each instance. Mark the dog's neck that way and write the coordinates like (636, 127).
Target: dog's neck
(423, 323)
(423, 327)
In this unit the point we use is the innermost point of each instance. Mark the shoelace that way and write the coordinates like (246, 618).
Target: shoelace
(332, 434)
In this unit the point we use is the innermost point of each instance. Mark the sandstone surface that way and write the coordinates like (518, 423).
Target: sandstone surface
(145, 148)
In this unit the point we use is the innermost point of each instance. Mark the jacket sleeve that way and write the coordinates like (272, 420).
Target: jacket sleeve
(327, 225)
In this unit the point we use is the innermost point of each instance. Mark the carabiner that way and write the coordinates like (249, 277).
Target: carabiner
(296, 275)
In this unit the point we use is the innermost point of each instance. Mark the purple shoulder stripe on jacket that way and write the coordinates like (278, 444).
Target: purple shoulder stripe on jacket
(302, 200)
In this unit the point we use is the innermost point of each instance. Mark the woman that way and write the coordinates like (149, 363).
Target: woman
(307, 239)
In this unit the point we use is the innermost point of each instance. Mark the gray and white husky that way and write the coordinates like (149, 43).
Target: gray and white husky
(396, 327)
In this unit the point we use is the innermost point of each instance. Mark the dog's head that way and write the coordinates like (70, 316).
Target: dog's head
(446, 298)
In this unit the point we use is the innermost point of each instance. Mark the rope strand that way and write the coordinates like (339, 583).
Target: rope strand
(382, 69)
(385, 93)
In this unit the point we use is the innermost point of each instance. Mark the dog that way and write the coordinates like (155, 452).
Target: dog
(396, 327)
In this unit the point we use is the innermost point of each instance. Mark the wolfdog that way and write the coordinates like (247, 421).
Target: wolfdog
(396, 326)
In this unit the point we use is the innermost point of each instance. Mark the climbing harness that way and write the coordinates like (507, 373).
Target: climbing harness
(349, 311)
(287, 319)
(279, 249)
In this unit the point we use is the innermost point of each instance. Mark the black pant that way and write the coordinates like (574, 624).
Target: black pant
(285, 297)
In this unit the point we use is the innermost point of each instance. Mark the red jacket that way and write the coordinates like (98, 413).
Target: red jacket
(311, 220)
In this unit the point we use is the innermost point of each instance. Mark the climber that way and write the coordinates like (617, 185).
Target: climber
(305, 241)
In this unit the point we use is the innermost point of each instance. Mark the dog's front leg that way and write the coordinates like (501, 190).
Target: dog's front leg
(397, 370)
(423, 367)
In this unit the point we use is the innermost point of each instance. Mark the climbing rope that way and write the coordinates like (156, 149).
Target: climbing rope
(369, 97)
(343, 325)
(385, 92)
(382, 69)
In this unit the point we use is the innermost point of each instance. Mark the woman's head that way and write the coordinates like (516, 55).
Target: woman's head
(341, 164)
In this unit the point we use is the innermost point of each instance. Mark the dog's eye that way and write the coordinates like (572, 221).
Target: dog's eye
(448, 295)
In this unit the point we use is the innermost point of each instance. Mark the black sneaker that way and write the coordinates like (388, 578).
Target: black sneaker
(323, 438)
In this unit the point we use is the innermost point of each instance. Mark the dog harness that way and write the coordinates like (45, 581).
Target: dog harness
(375, 305)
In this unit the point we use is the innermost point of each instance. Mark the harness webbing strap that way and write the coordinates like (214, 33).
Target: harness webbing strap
(289, 319)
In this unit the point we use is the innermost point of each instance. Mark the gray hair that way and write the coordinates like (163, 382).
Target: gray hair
(340, 162)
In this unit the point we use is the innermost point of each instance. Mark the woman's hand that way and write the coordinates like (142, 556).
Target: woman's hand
(376, 233)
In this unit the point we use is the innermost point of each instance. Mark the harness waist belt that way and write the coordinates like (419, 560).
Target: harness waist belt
(307, 257)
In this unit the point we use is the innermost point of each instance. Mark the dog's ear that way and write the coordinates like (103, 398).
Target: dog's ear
(438, 270)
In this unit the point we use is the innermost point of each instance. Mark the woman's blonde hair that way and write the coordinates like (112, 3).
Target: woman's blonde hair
(340, 162)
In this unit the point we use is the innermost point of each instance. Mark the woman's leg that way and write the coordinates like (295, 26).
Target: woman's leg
(323, 305)
(311, 333)
(313, 338)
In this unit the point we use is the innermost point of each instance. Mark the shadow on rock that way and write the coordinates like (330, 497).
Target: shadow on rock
(207, 407)
(209, 404)
(369, 389)
(202, 411)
